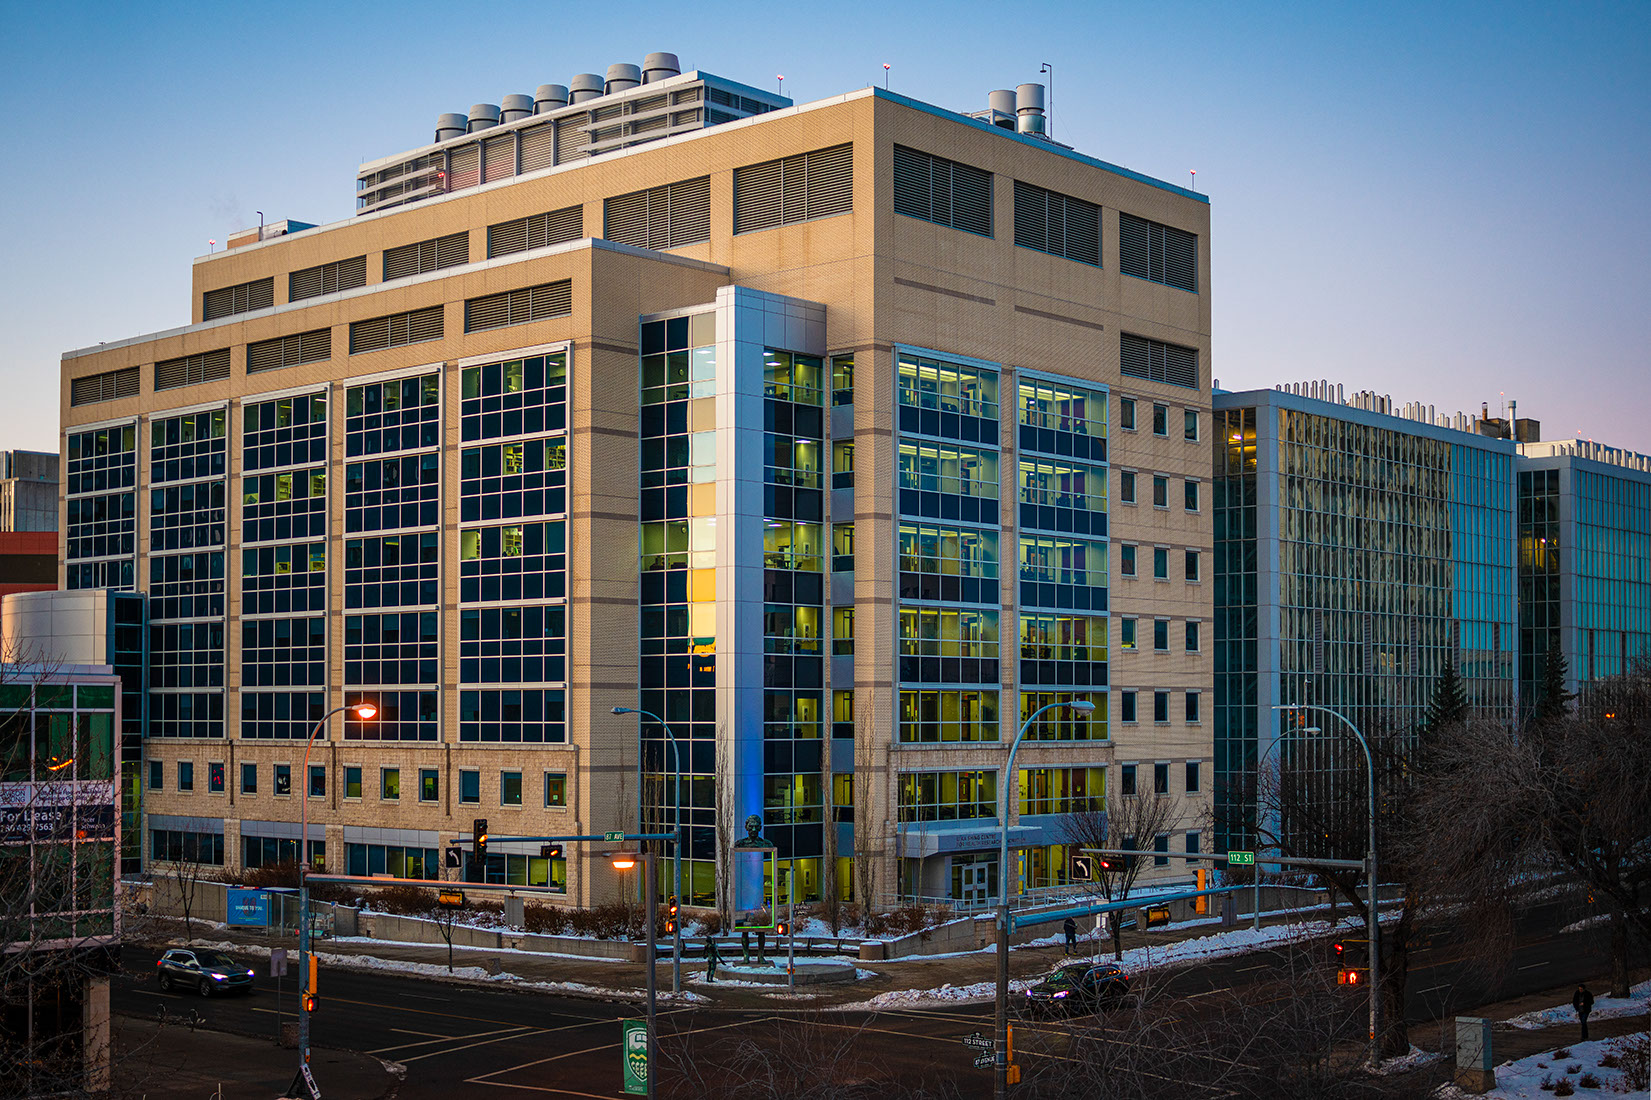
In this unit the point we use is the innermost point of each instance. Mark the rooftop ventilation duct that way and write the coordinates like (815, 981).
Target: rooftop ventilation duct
(1002, 104)
(660, 66)
(514, 107)
(1029, 109)
(549, 97)
(622, 77)
(450, 125)
(584, 86)
(483, 116)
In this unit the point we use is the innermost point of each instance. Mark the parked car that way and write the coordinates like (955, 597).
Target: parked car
(206, 972)
(1080, 987)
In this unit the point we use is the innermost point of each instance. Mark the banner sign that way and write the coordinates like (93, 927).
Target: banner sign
(249, 908)
(635, 1051)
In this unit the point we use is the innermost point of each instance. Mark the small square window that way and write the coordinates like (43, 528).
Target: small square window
(1192, 565)
(1126, 634)
(1160, 492)
(1192, 638)
(1189, 425)
(1160, 706)
(470, 787)
(389, 784)
(1160, 419)
(556, 789)
(1194, 843)
(1192, 787)
(1126, 414)
(157, 775)
(1126, 560)
(1126, 779)
(1160, 843)
(510, 788)
(249, 779)
(429, 785)
(1192, 706)
(352, 782)
(1160, 779)
(215, 777)
(1160, 635)
(1126, 706)
(283, 779)
(186, 775)
(1160, 563)
(1126, 486)
(1191, 496)
(318, 781)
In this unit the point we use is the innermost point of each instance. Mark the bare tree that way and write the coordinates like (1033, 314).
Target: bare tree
(1570, 794)
(1127, 822)
(868, 861)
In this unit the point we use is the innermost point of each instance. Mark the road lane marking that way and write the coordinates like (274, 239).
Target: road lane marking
(1533, 966)
(435, 1038)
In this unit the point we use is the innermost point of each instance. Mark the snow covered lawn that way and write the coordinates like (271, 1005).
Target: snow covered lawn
(1636, 1003)
(1522, 1080)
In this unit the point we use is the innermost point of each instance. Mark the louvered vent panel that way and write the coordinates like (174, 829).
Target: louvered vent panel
(370, 335)
(507, 237)
(715, 117)
(625, 219)
(1031, 216)
(453, 250)
(491, 311)
(229, 300)
(499, 157)
(104, 387)
(517, 307)
(757, 197)
(1180, 258)
(648, 125)
(1133, 245)
(972, 199)
(400, 262)
(561, 226)
(606, 114)
(831, 181)
(1083, 231)
(687, 95)
(192, 370)
(464, 167)
(690, 212)
(911, 182)
(290, 351)
(793, 190)
(570, 140)
(308, 283)
(685, 118)
(424, 324)
(717, 95)
(1157, 361)
(538, 147)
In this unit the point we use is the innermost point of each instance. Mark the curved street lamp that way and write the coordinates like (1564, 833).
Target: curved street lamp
(366, 712)
(676, 825)
(1001, 1087)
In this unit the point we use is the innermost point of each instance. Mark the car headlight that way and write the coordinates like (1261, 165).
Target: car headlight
(1061, 994)
(219, 976)
(250, 974)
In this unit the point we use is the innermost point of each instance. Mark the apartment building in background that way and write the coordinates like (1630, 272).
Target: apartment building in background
(840, 436)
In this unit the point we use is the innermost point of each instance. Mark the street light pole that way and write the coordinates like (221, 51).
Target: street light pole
(676, 822)
(1373, 926)
(365, 711)
(1001, 1066)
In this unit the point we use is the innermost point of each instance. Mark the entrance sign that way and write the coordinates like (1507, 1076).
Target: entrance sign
(635, 1051)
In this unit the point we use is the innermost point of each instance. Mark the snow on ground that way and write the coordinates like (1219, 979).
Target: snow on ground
(472, 947)
(1235, 941)
(1637, 1003)
(1416, 1057)
(1522, 1080)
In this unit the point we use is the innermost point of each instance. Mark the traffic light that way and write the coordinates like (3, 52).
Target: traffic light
(782, 928)
(550, 851)
(671, 909)
(312, 988)
(311, 1002)
(1108, 864)
(478, 838)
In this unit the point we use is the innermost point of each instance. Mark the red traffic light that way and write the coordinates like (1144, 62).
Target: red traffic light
(311, 1002)
(670, 927)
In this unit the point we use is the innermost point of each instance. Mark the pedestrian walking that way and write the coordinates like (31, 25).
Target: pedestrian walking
(1071, 930)
(1583, 1002)
(712, 957)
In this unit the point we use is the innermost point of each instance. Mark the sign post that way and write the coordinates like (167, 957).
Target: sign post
(634, 1050)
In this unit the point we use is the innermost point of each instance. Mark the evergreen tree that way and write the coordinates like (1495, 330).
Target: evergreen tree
(1553, 702)
(1449, 706)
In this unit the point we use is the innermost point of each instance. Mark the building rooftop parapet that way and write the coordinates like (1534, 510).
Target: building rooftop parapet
(1587, 448)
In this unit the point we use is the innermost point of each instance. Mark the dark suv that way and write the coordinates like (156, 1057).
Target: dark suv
(1080, 987)
(208, 972)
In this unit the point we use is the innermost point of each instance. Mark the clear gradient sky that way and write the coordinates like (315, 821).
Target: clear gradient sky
(1439, 201)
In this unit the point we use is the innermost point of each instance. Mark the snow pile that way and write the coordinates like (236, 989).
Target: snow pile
(1522, 1080)
(1412, 1060)
(1637, 1003)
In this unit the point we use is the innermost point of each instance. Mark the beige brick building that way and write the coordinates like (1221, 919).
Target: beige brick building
(839, 436)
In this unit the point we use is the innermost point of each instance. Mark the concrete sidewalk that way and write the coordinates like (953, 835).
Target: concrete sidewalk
(172, 1060)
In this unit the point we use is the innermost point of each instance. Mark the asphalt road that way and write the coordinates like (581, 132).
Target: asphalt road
(465, 1040)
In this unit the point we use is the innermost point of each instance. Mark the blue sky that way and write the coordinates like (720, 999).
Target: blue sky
(1437, 201)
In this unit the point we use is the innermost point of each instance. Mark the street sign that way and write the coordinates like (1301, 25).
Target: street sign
(977, 1041)
(454, 860)
(985, 1060)
(1083, 868)
(618, 834)
(635, 1050)
(278, 963)
(1241, 859)
(450, 899)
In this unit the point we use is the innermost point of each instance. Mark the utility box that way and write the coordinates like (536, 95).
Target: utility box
(1475, 1070)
